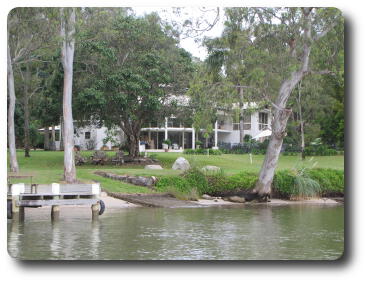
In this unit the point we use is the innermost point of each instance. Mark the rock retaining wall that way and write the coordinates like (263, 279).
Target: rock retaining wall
(135, 180)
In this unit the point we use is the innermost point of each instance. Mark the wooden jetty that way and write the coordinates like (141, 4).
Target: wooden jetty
(36, 195)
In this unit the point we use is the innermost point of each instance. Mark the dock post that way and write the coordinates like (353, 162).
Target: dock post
(17, 211)
(96, 191)
(95, 211)
(55, 209)
(55, 212)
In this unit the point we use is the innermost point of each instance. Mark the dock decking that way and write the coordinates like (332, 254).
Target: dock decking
(37, 195)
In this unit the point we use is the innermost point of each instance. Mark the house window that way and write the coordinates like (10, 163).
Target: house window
(87, 135)
(263, 121)
(246, 123)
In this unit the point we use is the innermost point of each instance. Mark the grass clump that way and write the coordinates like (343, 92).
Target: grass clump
(306, 183)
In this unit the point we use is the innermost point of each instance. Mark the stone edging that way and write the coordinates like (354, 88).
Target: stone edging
(135, 180)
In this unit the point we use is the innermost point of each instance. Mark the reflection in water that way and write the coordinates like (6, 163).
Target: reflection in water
(253, 232)
(55, 241)
(94, 239)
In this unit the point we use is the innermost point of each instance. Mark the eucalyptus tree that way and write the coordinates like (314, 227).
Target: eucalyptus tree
(136, 66)
(289, 36)
(278, 48)
(67, 34)
(28, 29)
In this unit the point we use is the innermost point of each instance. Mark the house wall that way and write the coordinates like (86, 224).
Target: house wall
(96, 136)
(231, 136)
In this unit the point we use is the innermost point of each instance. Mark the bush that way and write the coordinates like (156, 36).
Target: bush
(203, 151)
(177, 182)
(308, 182)
(330, 180)
(196, 179)
(251, 146)
(287, 183)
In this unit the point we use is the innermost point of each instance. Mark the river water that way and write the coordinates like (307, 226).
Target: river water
(300, 232)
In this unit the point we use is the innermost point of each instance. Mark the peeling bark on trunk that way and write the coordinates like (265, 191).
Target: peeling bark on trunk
(281, 115)
(67, 58)
(11, 131)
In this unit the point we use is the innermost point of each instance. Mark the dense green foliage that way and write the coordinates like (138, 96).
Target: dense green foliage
(207, 151)
(138, 65)
(288, 183)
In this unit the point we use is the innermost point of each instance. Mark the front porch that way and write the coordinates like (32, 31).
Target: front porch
(181, 138)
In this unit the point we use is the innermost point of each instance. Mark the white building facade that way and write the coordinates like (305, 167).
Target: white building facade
(225, 130)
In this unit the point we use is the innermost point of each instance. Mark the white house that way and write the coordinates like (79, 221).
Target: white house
(225, 130)
(257, 124)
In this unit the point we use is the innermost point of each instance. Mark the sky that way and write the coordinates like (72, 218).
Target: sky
(195, 48)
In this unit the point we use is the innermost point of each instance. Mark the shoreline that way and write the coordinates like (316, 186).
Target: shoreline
(165, 200)
(123, 202)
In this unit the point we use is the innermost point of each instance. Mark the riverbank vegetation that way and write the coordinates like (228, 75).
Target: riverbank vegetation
(237, 172)
(288, 184)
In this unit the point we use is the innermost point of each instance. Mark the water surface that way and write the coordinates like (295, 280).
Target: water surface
(311, 232)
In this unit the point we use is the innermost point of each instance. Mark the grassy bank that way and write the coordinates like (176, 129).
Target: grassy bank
(47, 167)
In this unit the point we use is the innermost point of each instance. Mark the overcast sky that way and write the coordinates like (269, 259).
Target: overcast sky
(189, 44)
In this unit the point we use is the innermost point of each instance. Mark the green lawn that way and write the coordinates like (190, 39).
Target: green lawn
(47, 167)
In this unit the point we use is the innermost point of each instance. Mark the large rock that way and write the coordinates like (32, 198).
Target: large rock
(153, 167)
(181, 164)
(211, 168)
(141, 181)
(236, 199)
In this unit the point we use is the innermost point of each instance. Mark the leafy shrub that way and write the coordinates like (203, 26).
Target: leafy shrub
(219, 183)
(250, 146)
(196, 179)
(330, 180)
(203, 151)
(168, 182)
(167, 142)
(308, 182)
(283, 183)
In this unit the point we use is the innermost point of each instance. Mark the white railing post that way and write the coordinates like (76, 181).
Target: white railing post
(193, 137)
(165, 129)
(216, 135)
(55, 188)
(96, 189)
(17, 189)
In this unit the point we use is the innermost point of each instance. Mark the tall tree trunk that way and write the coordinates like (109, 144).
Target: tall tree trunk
(301, 122)
(53, 138)
(281, 115)
(11, 108)
(132, 132)
(241, 115)
(67, 58)
(26, 112)
(46, 138)
(61, 132)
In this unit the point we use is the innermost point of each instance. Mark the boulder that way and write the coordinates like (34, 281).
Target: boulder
(181, 164)
(141, 181)
(236, 199)
(153, 167)
(208, 197)
(211, 168)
